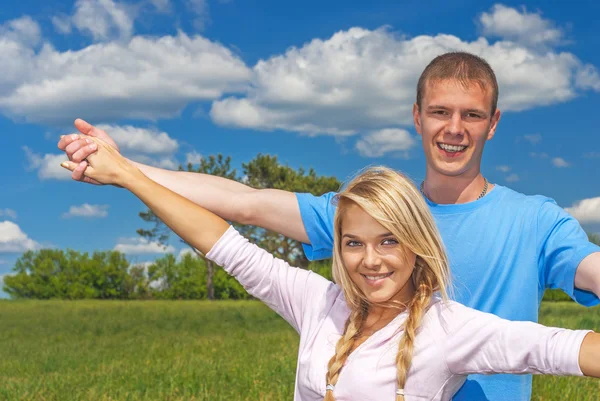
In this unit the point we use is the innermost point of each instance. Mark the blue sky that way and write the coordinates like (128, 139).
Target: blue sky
(327, 85)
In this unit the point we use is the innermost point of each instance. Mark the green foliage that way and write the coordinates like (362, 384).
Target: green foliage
(178, 280)
(265, 171)
(226, 287)
(262, 172)
(53, 273)
(213, 165)
(594, 238)
(322, 267)
(186, 279)
(57, 274)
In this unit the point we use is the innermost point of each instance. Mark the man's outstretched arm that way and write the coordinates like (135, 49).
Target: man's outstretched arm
(272, 209)
(587, 276)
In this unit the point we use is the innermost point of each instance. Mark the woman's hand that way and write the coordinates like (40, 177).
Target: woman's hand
(106, 165)
(77, 148)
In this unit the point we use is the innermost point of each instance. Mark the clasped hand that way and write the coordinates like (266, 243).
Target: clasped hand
(106, 165)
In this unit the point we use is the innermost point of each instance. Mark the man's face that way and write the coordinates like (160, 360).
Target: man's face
(454, 123)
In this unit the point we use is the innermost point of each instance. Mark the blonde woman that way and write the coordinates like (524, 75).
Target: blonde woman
(385, 330)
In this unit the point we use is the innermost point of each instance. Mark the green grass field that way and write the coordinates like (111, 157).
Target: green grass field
(167, 351)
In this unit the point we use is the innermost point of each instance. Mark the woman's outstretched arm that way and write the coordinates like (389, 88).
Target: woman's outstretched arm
(292, 292)
(589, 355)
(483, 343)
(194, 224)
(273, 209)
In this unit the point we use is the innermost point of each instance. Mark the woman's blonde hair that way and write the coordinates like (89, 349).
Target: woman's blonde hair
(396, 203)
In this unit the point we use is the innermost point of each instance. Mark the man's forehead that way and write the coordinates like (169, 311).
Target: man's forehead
(474, 89)
(452, 84)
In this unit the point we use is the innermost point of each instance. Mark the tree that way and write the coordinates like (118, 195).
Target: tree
(214, 165)
(185, 279)
(54, 273)
(262, 172)
(265, 171)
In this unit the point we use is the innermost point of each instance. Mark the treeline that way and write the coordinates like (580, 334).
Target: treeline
(58, 274)
(54, 273)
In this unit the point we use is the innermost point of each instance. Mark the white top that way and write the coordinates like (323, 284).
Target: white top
(452, 342)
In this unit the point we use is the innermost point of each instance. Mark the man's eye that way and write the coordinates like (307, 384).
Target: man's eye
(473, 115)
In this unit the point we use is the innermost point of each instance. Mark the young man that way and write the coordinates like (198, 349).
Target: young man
(505, 248)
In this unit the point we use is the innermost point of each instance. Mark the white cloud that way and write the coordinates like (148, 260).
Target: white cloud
(169, 162)
(87, 210)
(103, 19)
(140, 140)
(145, 78)
(201, 11)
(145, 265)
(560, 162)
(588, 78)
(586, 210)
(13, 239)
(193, 157)
(62, 24)
(533, 139)
(144, 145)
(512, 178)
(541, 155)
(504, 169)
(136, 246)
(360, 80)
(185, 251)
(390, 140)
(24, 31)
(8, 213)
(520, 26)
(48, 165)
(162, 6)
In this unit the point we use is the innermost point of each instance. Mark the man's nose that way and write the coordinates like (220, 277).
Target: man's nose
(455, 125)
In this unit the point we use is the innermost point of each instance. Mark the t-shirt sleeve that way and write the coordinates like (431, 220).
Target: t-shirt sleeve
(292, 292)
(484, 343)
(562, 245)
(317, 215)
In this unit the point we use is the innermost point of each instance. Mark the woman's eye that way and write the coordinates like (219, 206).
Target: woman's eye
(352, 243)
(389, 241)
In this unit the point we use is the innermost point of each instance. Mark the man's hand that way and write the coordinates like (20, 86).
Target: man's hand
(79, 147)
(107, 166)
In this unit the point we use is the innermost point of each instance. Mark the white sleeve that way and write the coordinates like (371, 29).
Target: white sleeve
(289, 291)
(484, 343)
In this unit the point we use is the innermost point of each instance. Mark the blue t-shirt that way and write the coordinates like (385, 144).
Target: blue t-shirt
(504, 250)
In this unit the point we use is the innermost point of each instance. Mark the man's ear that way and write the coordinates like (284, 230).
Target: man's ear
(417, 118)
(494, 124)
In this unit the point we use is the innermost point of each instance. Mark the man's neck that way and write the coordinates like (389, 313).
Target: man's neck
(448, 190)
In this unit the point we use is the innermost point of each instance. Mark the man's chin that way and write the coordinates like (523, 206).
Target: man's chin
(450, 169)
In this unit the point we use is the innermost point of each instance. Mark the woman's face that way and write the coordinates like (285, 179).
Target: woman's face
(374, 259)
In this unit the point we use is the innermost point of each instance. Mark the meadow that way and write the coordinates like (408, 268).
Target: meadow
(182, 350)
